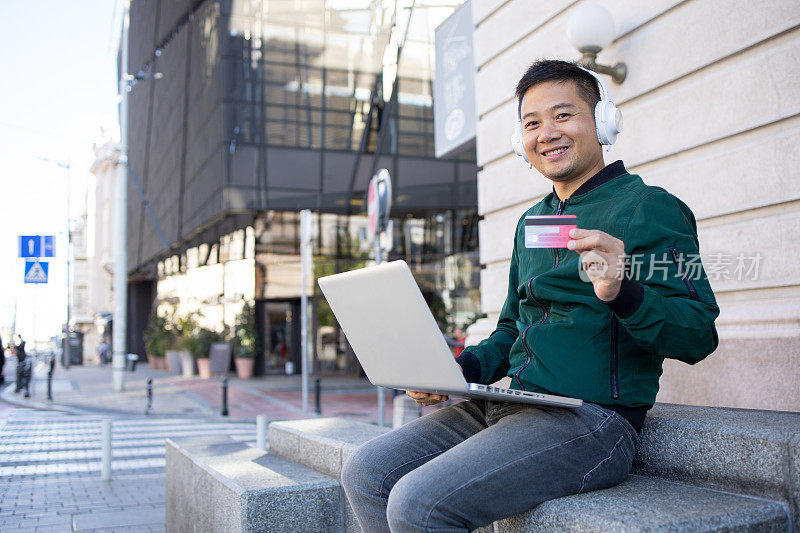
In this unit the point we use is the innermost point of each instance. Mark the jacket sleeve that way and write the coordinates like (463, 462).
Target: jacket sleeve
(674, 307)
(487, 361)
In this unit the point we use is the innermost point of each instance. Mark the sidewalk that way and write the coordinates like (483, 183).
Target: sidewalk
(87, 389)
(50, 451)
(50, 470)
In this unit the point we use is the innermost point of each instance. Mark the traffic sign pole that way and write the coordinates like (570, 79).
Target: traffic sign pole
(379, 200)
(305, 266)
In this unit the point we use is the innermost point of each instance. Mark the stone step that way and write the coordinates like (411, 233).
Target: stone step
(323, 444)
(742, 451)
(218, 484)
(646, 504)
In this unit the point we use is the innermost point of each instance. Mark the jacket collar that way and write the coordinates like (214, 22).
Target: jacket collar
(617, 168)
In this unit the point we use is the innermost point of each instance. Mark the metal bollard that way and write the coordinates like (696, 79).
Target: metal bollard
(224, 396)
(52, 365)
(148, 410)
(317, 394)
(261, 432)
(381, 407)
(105, 468)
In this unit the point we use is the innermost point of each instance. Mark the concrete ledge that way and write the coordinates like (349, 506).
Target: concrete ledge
(649, 504)
(323, 444)
(220, 485)
(735, 450)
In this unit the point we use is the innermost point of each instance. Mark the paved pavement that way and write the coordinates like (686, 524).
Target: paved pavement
(50, 470)
(50, 451)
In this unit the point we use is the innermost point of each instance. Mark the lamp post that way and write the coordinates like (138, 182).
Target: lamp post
(120, 330)
(68, 167)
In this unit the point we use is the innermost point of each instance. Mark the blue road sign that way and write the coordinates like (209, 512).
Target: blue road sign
(36, 271)
(30, 246)
(49, 245)
(37, 246)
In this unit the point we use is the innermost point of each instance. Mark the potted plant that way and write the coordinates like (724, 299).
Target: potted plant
(245, 341)
(156, 340)
(201, 347)
(184, 330)
(172, 341)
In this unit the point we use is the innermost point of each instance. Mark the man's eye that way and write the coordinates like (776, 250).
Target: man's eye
(563, 115)
(531, 124)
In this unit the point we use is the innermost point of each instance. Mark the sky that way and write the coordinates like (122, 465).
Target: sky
(58, 89)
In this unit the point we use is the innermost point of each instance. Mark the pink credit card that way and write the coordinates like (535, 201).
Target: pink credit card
(549, 231)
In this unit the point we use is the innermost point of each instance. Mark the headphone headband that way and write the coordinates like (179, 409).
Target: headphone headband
(605, 93)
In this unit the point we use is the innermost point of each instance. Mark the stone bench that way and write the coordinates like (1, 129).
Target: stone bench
(697, 469)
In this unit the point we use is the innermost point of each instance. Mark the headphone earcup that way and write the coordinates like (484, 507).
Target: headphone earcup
(516, 141)
(608, 122)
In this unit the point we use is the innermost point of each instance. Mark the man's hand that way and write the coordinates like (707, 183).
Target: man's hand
(602, 258)
(425, 398)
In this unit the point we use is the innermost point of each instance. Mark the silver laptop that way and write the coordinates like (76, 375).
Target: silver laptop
(396, 339)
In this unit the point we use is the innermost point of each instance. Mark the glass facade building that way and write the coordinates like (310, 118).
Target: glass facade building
(266, 107)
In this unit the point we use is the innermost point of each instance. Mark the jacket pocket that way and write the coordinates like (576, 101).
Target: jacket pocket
(676, 257)
(614, 366)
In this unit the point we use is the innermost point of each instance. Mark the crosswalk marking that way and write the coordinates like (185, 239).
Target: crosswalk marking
(46, 444)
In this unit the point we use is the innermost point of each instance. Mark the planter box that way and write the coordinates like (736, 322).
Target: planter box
(244, 367)
(187, 364)
(173, 360)
(204, 367)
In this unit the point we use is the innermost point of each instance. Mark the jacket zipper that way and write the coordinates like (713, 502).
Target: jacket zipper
(684, 276)
(560, 209)
(525, 334)
(614, 359)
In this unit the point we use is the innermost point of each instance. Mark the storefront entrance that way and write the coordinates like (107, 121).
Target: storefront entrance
(279, 328)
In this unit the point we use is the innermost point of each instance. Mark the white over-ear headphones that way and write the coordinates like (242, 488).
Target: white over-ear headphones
(607, 120)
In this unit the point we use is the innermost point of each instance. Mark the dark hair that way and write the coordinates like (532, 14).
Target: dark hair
(561, 71)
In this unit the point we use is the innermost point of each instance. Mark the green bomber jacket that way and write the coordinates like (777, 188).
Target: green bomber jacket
(555, 336)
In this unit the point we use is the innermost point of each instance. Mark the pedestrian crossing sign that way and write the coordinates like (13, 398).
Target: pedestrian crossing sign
(36, 271)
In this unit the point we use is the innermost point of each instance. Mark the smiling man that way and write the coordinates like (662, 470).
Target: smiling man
(592, 321)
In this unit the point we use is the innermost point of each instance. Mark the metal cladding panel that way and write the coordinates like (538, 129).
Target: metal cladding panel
(202, 195)
(412, 172)
(467, 184)
(293, 181)
(244, 166)
(337, 172)
(292, 200)
(293, 168)
(174, 125)
(133, 238)
(171, 12)
(142, 35)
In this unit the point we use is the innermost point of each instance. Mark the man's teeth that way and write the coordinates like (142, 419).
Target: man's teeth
(556, 151)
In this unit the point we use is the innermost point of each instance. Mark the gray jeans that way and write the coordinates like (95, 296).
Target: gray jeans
(467, 465)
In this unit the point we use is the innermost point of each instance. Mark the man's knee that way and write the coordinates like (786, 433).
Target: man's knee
(354, 470)
(418, 503)
(407, 508)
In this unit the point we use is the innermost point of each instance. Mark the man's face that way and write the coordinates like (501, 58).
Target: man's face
(558, 132)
